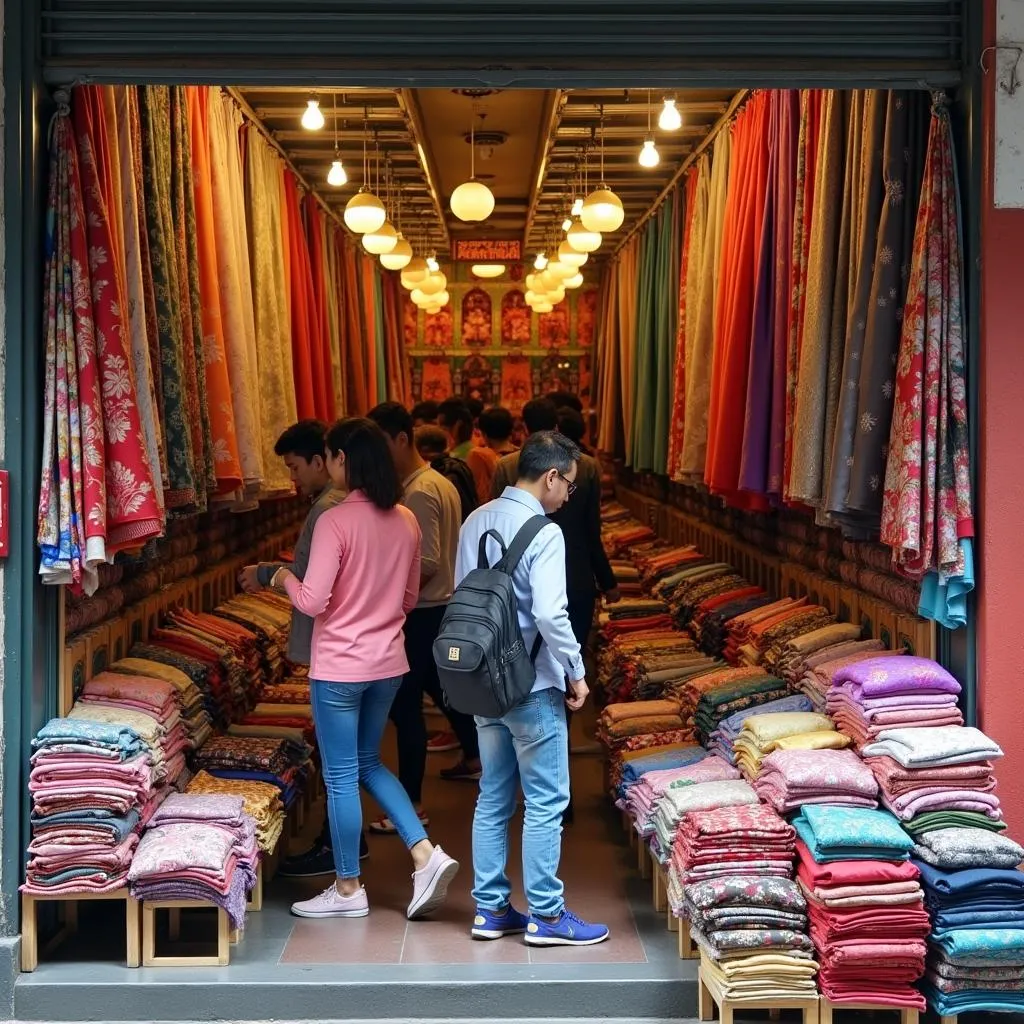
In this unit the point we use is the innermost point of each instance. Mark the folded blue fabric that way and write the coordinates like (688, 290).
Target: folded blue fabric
(733, 724)
(834, 832)
(640, 766)
(971, 1001)
(1004, 917)
(992, 945)
(118, 827)
(983, 882)
(108, 735)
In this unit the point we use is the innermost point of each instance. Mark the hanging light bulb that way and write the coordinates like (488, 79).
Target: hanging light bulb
(576, 281)
(313, 117)
(567, 223)
(420, 297)
(432, 265)
(488, 271)
(532, 282)
(649, 156)
(399, 257)
(336, 176)
(433, 310)
(577, 207)
(364, 212)
(556, 296)
(442, 299)
(543, 307)
(541, 261)
(381, 241)
(472, 201)
(582, 239)
(560, 270)
(670, 119)
(570, 257)
(434, 284)
(416, 271)
(602, 209)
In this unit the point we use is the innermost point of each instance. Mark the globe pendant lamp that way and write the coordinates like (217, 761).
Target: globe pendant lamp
(649, 156)
(532, 297)
(560, 270)
(434, 284)
(432, 310)
(364, 212)
(543, 307)
(556, 296)
(420, 298)
(399, 257)
(416, 271)
(576, 281)
(441, 300)
(583, 239)
(488, 271)
(568, 256)
(381, 241)
(313, 117)
(670, 120)
(337, 175)
(541, 261)
(602, 210)
(472, 201)
(532, 282)
(549, 282)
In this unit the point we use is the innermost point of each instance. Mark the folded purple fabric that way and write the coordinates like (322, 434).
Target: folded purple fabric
(887, 675)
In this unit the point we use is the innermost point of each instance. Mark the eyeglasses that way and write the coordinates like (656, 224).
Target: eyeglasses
(568, 483)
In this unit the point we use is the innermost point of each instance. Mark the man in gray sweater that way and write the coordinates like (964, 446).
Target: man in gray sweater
(302, 448)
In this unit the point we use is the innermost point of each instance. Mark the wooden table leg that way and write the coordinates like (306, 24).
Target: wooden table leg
(133, 931)
(29, 934)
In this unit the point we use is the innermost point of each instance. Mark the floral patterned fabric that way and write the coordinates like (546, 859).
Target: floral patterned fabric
(959, 848)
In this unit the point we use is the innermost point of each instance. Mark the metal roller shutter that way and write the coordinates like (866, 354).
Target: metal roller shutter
(840, 39)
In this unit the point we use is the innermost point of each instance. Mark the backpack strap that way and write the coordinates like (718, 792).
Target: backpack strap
(481, 551)
(523, 539)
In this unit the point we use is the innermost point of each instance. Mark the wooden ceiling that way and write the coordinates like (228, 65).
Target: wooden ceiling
(535, 150)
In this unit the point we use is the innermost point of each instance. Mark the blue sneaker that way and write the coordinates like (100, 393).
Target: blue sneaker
(568, 930)
(489, 925)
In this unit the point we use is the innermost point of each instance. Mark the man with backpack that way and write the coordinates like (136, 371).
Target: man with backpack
(505, 650)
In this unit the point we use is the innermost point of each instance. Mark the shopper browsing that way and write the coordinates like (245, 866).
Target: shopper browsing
(363, 576)
(528, 744)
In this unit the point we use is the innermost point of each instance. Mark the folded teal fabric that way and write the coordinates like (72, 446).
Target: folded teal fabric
(834, 833)
(991, 945)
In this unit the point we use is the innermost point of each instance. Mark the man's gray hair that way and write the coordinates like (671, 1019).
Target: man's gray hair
(544, 451)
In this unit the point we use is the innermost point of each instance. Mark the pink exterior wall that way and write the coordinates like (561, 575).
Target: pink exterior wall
(1001, 477)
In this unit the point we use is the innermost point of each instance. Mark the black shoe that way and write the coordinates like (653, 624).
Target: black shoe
(318, 861)
(568, 815)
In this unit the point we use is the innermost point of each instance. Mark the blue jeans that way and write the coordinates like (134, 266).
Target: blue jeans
(528, 746)
(350, 720)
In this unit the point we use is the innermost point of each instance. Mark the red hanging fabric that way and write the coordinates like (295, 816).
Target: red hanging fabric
(305, 356)
(132, 511)
(355, 335)
(324, 384)
(368, 310)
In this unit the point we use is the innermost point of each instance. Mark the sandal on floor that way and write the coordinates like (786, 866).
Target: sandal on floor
(384, 826)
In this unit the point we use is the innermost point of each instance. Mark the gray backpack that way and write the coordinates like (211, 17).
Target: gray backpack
(482, 660)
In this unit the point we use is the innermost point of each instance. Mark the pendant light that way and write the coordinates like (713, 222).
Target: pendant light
(560, 270)
(432, 265)
(577, 207)
(313, 117)
(670, 119)
(567, 223)
(420, 297)
(364, 211)
(570, 256)
(576, 281)
(602, 210)
(434, 284)
(488, 271)
(541, 261)
(401, 255)
(383, 239)
(649, 156)
(582, 239)
(416, 270)
(472, 201)
(543, 307)
(336, 176)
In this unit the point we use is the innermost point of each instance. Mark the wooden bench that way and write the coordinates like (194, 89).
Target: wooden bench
(709, 996)
(150, 957)
(906, 1015)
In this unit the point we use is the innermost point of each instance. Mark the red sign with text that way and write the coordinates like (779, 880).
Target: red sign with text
(501, 250)
(5, 506)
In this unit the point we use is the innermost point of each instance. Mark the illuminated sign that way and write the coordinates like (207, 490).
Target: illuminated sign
(502, 250)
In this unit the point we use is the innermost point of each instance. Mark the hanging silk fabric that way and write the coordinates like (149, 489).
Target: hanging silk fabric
(333, 300)
(627, 270)
(927, 514)
(314, 224)
(356, 350)
(264, 215)
(376, 297)
(231, 237)
(700, 361)
(227, 465)
(609, 368)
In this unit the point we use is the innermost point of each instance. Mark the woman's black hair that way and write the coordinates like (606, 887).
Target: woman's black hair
(368, 461)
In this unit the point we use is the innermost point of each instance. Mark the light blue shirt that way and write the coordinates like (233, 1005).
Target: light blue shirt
(539, 582)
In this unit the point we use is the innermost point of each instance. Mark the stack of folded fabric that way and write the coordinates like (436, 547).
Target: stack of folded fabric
(198, 848)
(789, 659)
(714, 620)
(933, 769)
(151, 697)
(765, 640)
(194, 716)
(748, 839)
(644, 762)
(206, 676)
(89, 782)
(752, 934)
(633, 614)
(644, 666)
(789, 779)
(975, 895)
(261, 802)
(642, 799)
(761, 734)
(820, 667)
(681, 798)
(659, 719)
(876, 695)
(722, 739)
(717, 702)
(257, 759)
(869, 935)
(633, 750)
(620, 535)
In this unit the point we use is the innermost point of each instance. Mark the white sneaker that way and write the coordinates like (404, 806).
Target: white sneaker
(330, 903)
(430, 884)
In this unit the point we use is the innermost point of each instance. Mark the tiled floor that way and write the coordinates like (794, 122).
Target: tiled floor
(428, 968)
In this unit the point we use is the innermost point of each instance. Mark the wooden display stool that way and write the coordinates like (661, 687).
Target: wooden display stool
(643, 857)
(687, 949)
(709, 995)
(150, 958)
(659, 884)
(906, 1015)
(69, 906)
(255, 902)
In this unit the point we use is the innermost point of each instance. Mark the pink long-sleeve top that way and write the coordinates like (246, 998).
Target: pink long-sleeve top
(363, 576)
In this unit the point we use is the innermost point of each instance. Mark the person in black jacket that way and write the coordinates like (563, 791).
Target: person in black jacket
(432, 444)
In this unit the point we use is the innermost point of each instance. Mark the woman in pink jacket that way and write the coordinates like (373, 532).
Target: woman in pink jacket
(363, 576)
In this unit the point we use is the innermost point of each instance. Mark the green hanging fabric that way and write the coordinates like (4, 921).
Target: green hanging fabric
(643, 383)
(666, 303)
(378, 337)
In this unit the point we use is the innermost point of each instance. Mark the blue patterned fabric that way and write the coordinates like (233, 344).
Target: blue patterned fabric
(120, 738)
(992, 945)
(972, 1001)
(834, 833)
(980, 883)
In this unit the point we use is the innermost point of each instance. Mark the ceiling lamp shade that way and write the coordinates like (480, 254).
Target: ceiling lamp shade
(532, 282)
(488, 271)
(549, 282)
(583, 239)
(416, 270)
(560, 270)
(432, 310)
(441, 299)
(556, 296)
(432, 265)
(364, 212)
(649, 155)
(577, 207)
(472, 202)
(576, 281)
(313, 117)
(570, 257)
(434, 284)
(541, 261)
(399, 257)
(532, 297)
(567, 223)
(337, 176)
(543, 307)
(670, 120)
(381, 241)
(602, 211)
(420, 298)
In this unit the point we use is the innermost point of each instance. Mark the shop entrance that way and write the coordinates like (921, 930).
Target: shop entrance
(590, 78)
